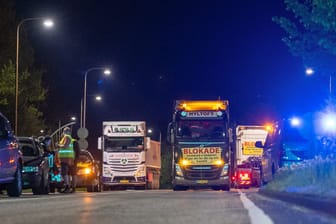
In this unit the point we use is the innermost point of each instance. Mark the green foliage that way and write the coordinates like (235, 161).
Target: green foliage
(7, 88)
(166, 163)
(31, 90)
(315, 177)
(311, 33)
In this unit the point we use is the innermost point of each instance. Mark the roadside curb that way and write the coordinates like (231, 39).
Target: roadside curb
(315, 202)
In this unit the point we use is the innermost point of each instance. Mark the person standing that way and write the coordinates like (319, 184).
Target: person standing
(66, 155)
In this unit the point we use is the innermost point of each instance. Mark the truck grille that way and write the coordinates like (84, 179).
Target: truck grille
(130, 166)
(198, 173)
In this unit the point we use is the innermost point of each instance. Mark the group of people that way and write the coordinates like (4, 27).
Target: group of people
(66, 156)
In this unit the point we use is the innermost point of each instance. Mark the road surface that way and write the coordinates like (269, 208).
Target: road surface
(159, 206)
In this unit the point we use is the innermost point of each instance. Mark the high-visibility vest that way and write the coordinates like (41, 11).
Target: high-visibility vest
(67, 152)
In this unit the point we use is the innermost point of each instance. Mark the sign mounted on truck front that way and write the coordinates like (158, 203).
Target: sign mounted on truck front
(117, 130)
(202, 155)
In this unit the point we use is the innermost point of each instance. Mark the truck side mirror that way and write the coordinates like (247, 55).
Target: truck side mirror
(147, 143)
(170, 138)
(259, 144)
(230, 135)
(99, 143)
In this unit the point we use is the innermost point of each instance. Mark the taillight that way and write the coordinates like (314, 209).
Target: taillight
(244, 176)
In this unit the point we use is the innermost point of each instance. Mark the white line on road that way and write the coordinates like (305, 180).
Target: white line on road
(257, 216)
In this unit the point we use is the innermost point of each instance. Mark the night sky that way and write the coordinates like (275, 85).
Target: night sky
(160, 51)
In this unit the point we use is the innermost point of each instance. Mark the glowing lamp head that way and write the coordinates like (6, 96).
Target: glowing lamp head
(295, 122)
(309, 71)
(107, 72)
(329, 122)
(48, 23)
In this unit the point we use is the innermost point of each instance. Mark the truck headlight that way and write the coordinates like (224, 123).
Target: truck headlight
(140, 172)
(218, 162)
(225, 170)
(178, 170)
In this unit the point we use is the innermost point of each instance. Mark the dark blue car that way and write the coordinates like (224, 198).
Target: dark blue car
(10, 160)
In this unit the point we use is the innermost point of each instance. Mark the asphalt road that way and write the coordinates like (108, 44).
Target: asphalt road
(161, 206)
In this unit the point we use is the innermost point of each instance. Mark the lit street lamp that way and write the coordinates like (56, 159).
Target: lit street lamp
(97, 98)
(150, 132)
(310, 71)
(46, 23)
(106, 72)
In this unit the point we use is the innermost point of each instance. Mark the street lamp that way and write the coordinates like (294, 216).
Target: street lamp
(106, 72)
(97, 98)
(150, 131)
(47, 23)
(310, 71)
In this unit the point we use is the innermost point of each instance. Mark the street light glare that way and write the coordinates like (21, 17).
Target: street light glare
(309, 71)
(48, 23)
(98, 98)
(107, 72)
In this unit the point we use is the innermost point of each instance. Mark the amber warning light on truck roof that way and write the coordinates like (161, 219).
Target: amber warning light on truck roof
(202, 105)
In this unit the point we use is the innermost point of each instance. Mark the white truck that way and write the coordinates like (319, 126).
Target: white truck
(247, 157)
(129, 158)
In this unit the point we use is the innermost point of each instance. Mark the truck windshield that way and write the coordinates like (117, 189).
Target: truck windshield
(124, 144)
(201, 129)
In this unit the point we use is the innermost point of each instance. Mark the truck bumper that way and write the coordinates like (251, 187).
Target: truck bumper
(124, 181)
(180, 181)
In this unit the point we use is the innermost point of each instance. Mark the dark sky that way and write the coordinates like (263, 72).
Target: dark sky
(160, 51)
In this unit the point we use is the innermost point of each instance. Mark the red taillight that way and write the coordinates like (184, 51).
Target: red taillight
(244, 176)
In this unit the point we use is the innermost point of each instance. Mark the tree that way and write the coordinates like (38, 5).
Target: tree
(311, 33)
(31, 91)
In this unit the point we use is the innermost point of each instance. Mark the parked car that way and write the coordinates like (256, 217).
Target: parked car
(10, 160)
(36, 165)
(88, 173)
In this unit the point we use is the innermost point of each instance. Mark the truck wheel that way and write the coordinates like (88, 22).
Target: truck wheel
(14, 189)
(216, 188)
(106, 188)
(226, 188)
(179, 188)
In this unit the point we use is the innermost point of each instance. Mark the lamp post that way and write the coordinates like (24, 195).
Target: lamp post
(46, 23)
(106, 72)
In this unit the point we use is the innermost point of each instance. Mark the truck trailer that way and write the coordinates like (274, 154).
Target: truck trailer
(199, 137)
(130, 159)
(247, 157)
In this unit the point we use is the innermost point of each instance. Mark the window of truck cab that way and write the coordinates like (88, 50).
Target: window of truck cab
(201, 129)
(121, 144)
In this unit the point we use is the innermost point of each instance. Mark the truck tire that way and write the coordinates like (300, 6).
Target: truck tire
(226, 187)
(216, 188)
(179, 188)
(14, 189)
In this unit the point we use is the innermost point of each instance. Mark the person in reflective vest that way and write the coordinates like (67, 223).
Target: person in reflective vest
(66, 155)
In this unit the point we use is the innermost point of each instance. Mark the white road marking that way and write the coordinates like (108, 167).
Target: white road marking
(257, 216)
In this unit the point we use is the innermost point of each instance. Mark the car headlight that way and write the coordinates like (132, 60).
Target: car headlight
(84, 171)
